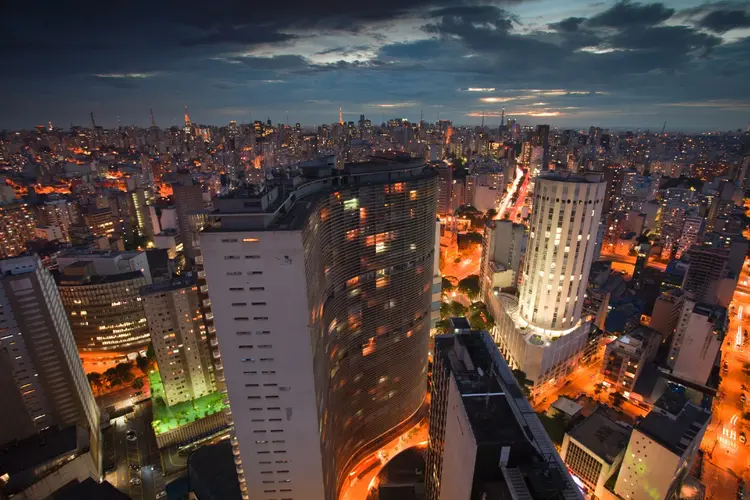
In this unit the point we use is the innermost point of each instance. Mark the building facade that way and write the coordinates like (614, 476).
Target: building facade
(17, 223)
(41, 376)
(697, 341)
(484, 439)
(321, 302)
(179, 337)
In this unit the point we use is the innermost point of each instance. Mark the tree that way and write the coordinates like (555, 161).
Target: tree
(150, 352)
(142, 362)
(112, 377)
(617, 399)
(491, 213)
(466, 240)
(445, 310)
(457, 309)
(470, 286)
(480, 317)
(446, 285)
(137, 384)
(96, 380)
(124, 371)
(443, 326)
(522, 381)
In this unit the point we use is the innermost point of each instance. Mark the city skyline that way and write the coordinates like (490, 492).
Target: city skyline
(618, 65)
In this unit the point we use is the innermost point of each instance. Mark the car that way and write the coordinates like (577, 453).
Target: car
(161, 494)
(743, 398)
(131, 437)
(743, 387)
(135, 467)
(135, 480)
(743, 438)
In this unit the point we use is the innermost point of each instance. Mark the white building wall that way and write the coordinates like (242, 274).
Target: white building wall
(258, 297)
(460, 449)
(695, 347)
(648, 469)
(560, 251)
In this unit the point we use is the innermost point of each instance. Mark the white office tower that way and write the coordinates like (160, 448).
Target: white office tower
(321, 298)
(541, 332)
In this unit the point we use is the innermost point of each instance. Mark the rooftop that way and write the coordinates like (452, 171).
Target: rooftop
(66, 280)
(563, 176)
(674, 433)
(605, 438)
(184, 281)
(36, 450)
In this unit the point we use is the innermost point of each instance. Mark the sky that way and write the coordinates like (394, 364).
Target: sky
(569, 63)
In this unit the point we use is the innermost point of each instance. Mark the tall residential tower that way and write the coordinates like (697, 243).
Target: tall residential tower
(541, 331)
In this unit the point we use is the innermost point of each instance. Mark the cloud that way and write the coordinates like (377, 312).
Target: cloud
(721, 21)
(125, 76)
(388, 105)
(568, 25)
(626, 13)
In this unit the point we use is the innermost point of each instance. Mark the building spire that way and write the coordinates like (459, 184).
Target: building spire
(502, 118)
(341, 117)
(153, 122)
(187, 118)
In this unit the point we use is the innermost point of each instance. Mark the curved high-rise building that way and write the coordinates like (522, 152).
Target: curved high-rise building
(540, 332)
(562, 234)
(321, 300)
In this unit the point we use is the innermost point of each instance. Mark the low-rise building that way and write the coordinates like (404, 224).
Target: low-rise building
(593, 450)
(662, 449)
(625, 357)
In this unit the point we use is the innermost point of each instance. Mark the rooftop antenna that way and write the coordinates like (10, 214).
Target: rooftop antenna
(341, 117)
(663, 127)
(483, 119)
(153, 122)
(93, 123)
(502, 118)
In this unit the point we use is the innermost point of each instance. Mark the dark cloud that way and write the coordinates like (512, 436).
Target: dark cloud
(626, 13)
(721, 21)
(568, 25)
(231, 56)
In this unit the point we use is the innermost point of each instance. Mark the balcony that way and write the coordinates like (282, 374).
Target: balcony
(214, 342)
(217, 354)
(206, 302)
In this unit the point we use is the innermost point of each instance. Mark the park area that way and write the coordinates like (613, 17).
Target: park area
(167, 418)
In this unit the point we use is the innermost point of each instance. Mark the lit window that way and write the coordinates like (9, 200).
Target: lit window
(352, 204)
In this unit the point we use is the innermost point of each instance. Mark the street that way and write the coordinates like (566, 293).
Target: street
(137, 463)
(721, 443)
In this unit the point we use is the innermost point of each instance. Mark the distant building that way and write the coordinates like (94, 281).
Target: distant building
(708, 278)
(625, 357)
(697, 341)
(105, 311)
(662, 449)
(17, 223)
(188, 198)
(666, 312)
(484, 439)
(593, 451)
(178, 335)
(504, 244)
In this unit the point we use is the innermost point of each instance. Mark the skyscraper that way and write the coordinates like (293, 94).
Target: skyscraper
(179, 338)
(42, 382)
(321, 301)
(485, 441)
(17, 223)
(188, 198)
(541, 332)
(565, 217)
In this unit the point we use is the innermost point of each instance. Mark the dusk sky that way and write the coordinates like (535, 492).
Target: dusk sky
(564, 62)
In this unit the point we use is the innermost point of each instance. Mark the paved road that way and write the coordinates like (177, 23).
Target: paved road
(137, 462)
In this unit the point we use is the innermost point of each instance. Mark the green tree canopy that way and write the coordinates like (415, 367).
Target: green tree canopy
(470, 286)
(137, 384)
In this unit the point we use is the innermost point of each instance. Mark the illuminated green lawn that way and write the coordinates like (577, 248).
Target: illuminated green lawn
(167, 418)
